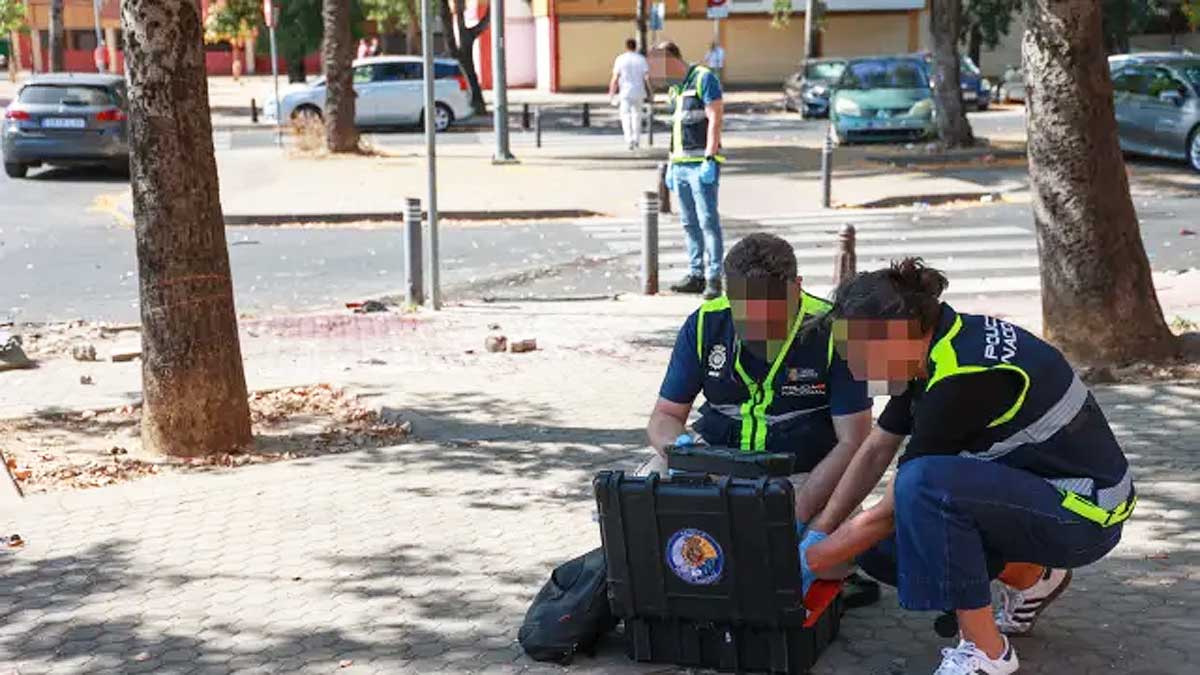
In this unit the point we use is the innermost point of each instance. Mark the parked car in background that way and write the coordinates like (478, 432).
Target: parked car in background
(66, 119)
(883, 98)
(1012, 86)
(390, 92)
(1157, 101)
(807, 90)
(976, 89)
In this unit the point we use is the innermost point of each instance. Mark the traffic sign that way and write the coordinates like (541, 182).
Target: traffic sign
(270, 13)
(718, 9)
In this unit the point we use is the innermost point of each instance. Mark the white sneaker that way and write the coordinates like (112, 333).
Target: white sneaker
(1018, 610)
(967, 659)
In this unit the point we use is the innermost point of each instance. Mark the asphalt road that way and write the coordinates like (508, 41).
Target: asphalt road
(63, 259)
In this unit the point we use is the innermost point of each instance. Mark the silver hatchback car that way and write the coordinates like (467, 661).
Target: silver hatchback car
(1157, 99)
(390, 91)
(66, 119)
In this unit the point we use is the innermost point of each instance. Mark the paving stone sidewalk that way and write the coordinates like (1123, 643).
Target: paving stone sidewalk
(423, 557)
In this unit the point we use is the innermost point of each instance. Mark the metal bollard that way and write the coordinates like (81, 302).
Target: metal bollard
(525, 117)
(845, 261)
(253, 111)
(413, 262)
(827, 169)
(537, 125)
(587, 116)
(650, 242)
(664, 195)
(650, 130)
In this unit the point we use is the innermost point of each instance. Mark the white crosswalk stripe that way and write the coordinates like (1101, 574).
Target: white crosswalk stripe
(980, 260)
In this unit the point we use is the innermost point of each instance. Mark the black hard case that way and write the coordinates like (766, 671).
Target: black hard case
(753, 618)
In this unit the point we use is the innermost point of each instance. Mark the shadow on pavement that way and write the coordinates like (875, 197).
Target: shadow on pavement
(78, 174)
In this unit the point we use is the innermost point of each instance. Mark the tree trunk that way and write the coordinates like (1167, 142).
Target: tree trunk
(953, 127)
(975, 47)
(193, 385)
(1098, 300)
(338, 48)
(412, 29)
(57, 60)
(295, 70)
(462, 47)
(14, 59)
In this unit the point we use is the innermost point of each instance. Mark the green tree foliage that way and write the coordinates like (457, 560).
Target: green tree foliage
(232, 21)
(391, 14)
(1123, 18)
(12, 17)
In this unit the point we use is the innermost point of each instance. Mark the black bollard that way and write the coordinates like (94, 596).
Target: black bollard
(845, 261)
(827, 169)
(587, 116)
(525, 117)
(537, 126)
(664, 195)
(650, 243)
(253, 111)
(414, 281)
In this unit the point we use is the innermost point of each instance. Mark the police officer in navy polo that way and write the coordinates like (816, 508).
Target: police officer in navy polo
(694, 170)
(1011, 471)
(770, 378)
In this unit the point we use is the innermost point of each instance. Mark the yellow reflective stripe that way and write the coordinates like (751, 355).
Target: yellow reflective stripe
(715, 305)
(1085, 509)
(747, 438)
(945, 364)
(693, 159)
(768, 387)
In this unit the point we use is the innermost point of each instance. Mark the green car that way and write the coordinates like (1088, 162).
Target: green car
(883, 98)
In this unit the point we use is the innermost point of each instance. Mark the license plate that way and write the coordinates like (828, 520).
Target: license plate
(969, 95)
(62, 123)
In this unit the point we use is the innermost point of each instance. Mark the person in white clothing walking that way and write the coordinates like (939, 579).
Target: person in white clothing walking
(629, 86)
(715, 59)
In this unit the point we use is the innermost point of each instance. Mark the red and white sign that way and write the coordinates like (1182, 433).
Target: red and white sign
(718, 9)
(270, 13)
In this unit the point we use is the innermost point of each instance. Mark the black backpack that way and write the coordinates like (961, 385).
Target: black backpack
(571, 613)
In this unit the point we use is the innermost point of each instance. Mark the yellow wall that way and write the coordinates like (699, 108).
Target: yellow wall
(865, 34)
(756, 53)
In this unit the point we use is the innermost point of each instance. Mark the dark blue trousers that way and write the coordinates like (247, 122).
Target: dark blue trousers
(960, 520)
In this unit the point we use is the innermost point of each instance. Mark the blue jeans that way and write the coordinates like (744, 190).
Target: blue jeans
(960, 520)
(701, 222)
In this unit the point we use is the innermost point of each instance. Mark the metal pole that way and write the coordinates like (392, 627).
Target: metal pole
(99, 37)
(845, 261)
(650, 242)
(650, 120)
(435, 291)
(537, 125)
(524, 117)
(827, 169)
(253, 111)
(275, 80)
(500, 84)
(640, 19)
(810, 30)
(414, 286)
(587, 115)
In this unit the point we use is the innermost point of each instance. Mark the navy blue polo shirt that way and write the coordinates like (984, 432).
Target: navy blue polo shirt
(824, 386)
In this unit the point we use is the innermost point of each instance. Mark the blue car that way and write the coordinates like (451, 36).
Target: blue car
(976, 89)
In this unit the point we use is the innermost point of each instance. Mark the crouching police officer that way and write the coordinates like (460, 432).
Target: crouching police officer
(770, 378)
(1011, 470)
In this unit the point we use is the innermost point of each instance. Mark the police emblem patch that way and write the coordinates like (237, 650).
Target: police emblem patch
(696, 557)
(716, 357)
(798, 374)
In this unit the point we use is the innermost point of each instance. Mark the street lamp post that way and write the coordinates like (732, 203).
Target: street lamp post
(499, 85)
(435, 292)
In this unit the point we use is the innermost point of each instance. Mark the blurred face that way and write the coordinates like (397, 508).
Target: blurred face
(886, 353)
(763, 312)
(664, 68)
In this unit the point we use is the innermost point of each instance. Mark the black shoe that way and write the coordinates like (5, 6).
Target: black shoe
(860, 591)
(712, 290)
(689, 284)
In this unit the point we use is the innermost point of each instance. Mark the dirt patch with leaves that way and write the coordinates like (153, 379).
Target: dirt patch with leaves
(94, 449)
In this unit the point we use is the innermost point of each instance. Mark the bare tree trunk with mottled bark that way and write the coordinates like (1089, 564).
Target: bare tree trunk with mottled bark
(953, 127)
(55, 42)
(193, 385)
(338, 48)
(1098, 300)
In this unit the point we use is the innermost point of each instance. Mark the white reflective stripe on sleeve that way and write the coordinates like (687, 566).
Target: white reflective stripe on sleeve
(783, 417)
(1057, 417)
(728, 410)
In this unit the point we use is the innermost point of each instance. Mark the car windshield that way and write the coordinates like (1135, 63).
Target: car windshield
(825, 71)
(884, 74)
(1191, 71)
(67, 95)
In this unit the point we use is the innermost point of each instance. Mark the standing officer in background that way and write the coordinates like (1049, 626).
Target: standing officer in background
(694, 171)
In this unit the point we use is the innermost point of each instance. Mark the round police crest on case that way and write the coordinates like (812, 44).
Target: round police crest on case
(695, 557)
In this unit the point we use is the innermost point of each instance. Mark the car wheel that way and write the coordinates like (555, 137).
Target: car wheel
(442, 117)
(306, 113)
(15, 170)
(1193, 152)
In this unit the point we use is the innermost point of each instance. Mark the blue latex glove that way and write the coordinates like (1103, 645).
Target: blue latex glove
(685, 441)
(708, 172)
(807, 577)
(669, 178)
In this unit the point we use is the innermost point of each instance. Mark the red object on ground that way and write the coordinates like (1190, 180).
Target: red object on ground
(1187, 233)
(820, 595)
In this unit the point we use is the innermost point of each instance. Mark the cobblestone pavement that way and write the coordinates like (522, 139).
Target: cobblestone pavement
(423, 557)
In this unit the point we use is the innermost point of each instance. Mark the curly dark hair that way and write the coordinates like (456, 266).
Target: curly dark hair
(904, 290)
(762, 256)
